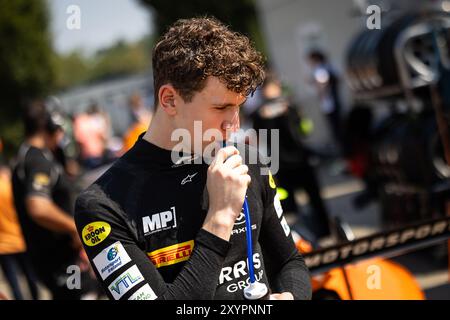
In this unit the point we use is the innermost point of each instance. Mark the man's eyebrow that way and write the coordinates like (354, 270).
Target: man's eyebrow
(228, 104)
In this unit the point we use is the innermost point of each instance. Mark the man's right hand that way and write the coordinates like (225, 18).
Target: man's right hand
(227, 184)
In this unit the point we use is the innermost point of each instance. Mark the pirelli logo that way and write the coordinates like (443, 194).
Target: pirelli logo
(171, 255)
(386, 243)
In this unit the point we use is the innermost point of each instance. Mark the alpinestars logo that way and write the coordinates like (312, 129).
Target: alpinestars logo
(188, 178)
(159, 221)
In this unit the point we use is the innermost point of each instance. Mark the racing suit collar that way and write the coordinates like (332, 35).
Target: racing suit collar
(163, 156)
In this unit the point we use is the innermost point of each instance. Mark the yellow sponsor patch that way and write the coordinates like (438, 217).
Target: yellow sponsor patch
(95, 232)
(171, 255)
(271, 181)
(41, 179)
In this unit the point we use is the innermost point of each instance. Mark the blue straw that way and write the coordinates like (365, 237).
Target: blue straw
(248, 227)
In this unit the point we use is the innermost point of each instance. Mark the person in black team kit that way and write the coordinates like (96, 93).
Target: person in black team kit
(43, 202)
(295, 172)
(158, 229)
(326, 79)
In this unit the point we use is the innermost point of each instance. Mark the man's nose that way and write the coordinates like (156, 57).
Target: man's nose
(235, 124)
(232, 122)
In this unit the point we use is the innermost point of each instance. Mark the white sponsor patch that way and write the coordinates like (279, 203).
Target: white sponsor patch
(111, 259)
(238, 270)
(144, 293)
(123, 283)
(277, 205)
(242, 230)
(285, 226)
(159, 221)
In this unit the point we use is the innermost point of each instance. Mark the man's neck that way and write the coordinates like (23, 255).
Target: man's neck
(37, 141)
(160, 131)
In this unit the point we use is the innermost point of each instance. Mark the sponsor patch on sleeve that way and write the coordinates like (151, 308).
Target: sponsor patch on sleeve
(111, 259)
(285, 226)
(171, 255)
(123, 283)
(95, 232)
(144, 293)
(277, 205)
(271, 181)
(41, 181)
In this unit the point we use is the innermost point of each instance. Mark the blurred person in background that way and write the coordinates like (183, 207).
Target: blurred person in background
(140, 120)
(12, 244)
(91, 131)
(66, 153)
(326, 80)
(139, 112)
(42, 196)
(295, 171)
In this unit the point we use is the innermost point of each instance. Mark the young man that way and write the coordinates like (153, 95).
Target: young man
(155, 229)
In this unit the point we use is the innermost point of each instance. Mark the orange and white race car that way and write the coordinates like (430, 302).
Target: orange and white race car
(359, 269)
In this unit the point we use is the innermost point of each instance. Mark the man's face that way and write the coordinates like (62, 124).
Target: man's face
(215, 106)
(314, 63)
(52, 140)
(272, 90)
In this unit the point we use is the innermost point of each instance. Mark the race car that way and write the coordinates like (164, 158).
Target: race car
(357, 269)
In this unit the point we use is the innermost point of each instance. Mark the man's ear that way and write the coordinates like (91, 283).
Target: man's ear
(168, 98)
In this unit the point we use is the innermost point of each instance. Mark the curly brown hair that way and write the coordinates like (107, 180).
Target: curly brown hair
(193, 49)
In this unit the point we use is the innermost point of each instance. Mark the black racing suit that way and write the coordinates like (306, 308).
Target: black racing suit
(141, 224)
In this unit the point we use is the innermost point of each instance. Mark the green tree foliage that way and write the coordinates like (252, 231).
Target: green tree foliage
(240, 15)
(117, 60)
(71, 69)
(26, 67)
(121, 59)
